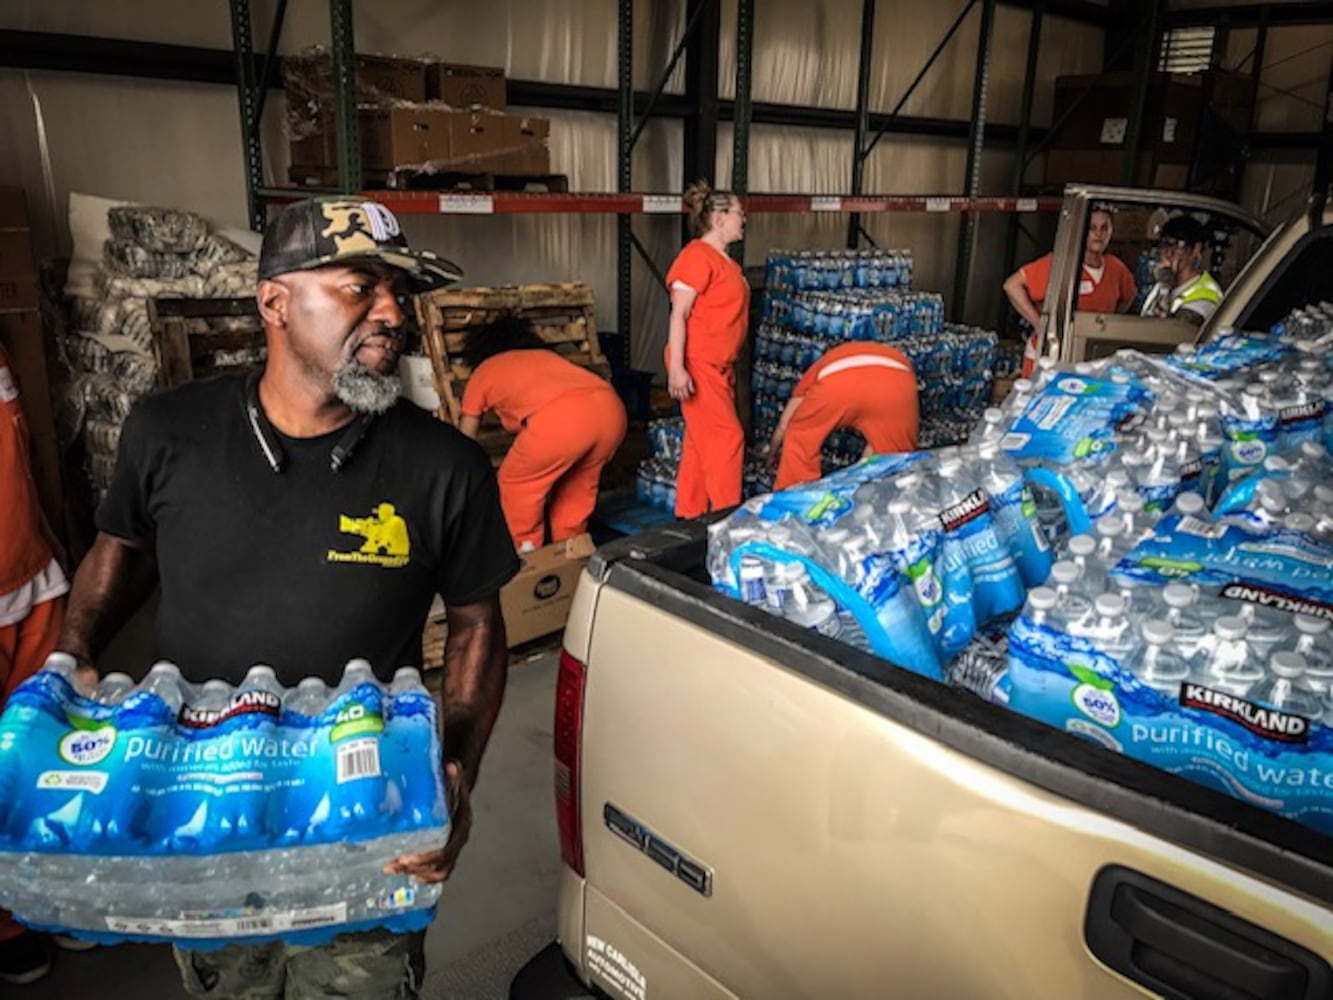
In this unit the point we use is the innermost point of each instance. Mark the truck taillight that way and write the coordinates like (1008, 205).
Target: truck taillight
(568, 737)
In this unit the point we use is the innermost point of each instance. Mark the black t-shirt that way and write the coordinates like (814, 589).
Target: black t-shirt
(303, 568)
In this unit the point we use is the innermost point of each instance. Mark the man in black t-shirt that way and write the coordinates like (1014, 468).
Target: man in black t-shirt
(300, 517)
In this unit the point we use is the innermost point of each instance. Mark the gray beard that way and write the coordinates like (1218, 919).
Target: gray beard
(363, 390)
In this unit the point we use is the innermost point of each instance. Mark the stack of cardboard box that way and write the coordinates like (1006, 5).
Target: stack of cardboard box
(22, 334)
(413, 115)
(1183, 135)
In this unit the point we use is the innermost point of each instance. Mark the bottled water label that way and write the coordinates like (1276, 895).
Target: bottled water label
(227, 789)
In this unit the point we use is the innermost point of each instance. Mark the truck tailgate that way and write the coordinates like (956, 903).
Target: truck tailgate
(862, 837)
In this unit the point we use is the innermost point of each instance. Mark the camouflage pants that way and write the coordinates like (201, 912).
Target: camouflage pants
(374, 965)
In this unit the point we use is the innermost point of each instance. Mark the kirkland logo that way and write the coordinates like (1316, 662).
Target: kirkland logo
(1266, 598)
(244, 703)
(971, 506)
(1258, 719)
(1305, 411)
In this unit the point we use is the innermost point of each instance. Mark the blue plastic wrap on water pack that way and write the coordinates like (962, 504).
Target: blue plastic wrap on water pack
(1275, 760)
(1291, 566)
(248, 811)
(1075, 417)
(1226, 354)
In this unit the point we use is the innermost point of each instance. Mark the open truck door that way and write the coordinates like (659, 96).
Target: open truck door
(1073, 335)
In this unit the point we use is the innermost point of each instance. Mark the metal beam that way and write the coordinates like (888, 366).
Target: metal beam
(1323, 160)
(1145, 59)
(701, 96)
(243, 48)
(267, 73)
(911, 88)
(1101, 15)
(854, 227)
(676, 53)
(740, 128)
(624, 166)
(1249, 15)
(343, 50)
(1021, 150)
(972, 180)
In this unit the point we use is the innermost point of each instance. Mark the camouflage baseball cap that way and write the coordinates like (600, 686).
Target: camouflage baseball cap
(334, 230)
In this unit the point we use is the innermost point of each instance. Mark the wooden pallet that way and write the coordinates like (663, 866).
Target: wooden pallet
(562, 315)
(193, 338)
(442, 180)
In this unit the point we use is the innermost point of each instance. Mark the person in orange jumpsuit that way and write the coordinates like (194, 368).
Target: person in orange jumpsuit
(866, 386)
(710, 306)
(569, 424)
(32, 604)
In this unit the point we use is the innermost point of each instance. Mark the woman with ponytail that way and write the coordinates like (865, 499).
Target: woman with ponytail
(710, 305)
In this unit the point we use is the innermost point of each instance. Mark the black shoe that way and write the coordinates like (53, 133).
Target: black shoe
(25, 959)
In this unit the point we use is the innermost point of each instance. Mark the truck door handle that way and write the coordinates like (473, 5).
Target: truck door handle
(1181, 946)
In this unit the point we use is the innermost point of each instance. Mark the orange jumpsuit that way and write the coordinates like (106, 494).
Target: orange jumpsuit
(32, 586)
(569, 423)
(713, 449)
(865, 386)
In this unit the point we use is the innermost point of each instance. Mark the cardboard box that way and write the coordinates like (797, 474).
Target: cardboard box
(536, 601)
(13, 208)
(16, 252)
(466, 86)
(527, 144)
(1096, 109)
(22, 334)
(477, 140)
(19, 292)
(379, 79)
(405, 137)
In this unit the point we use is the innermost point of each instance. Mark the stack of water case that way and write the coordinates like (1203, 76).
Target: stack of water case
(207, 814)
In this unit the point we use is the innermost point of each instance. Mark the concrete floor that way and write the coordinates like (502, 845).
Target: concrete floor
(497, 910)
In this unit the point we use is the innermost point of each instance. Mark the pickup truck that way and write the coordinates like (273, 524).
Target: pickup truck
(749, 809)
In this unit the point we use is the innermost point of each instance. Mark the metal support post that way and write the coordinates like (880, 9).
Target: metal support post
(344, 96)
(701, 76)
(976, 138)
(911, 88)
(740, 147)
(243, 45)
(691, 20)
(854, 227)
(1323, 161)
(1021, 150)
(271, 57)
(1145, 59)
(624, 168)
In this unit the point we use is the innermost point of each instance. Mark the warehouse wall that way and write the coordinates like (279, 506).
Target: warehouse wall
(179, 144)
(1293, 85)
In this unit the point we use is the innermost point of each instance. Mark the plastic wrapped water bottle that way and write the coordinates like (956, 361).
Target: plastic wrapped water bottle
(1110, 628)
(113, 689)
(1075, 601)
(807, 606)
(1312, 643)
(1190, 504)
(1229, 662)
(1285, 687)
(1015, 514)
(1160, 667)
(1187, 627)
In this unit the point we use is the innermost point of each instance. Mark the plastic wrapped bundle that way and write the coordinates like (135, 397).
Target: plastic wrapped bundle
(161, 230)
(227, 281)
(134, 261)
(217, 249)
(188, 286)
(210, 814)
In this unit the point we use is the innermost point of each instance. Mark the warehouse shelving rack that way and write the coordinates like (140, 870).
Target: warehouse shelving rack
(1134, 32)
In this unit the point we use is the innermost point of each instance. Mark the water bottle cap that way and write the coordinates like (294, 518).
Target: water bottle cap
(1130, 501)
(1082, 545)
(1230, 628)
(309, 684)
(406, 675)
(165, 667)
(993, 414)
(1043, 598)
(1189, 502)
(1110, 605)
(260, 671)
(1178, 595)
(1109, 526)
(61, 663)
(1253, 391)
(1299, 521)
(1065, 572)
(1273, 503)
(1287, 664)
(900, 505)
(117, 678)
(1117, 479)
(215, 686)
(1324, 493)
(1276, 463)
(1158, 631)
(1313, 449)
(1119, 378)
(1310, 625)
(1022, 385)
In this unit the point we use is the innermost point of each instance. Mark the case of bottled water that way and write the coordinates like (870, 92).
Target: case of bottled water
(206, 814)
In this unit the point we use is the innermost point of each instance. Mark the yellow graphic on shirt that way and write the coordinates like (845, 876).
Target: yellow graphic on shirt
(386, 539)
